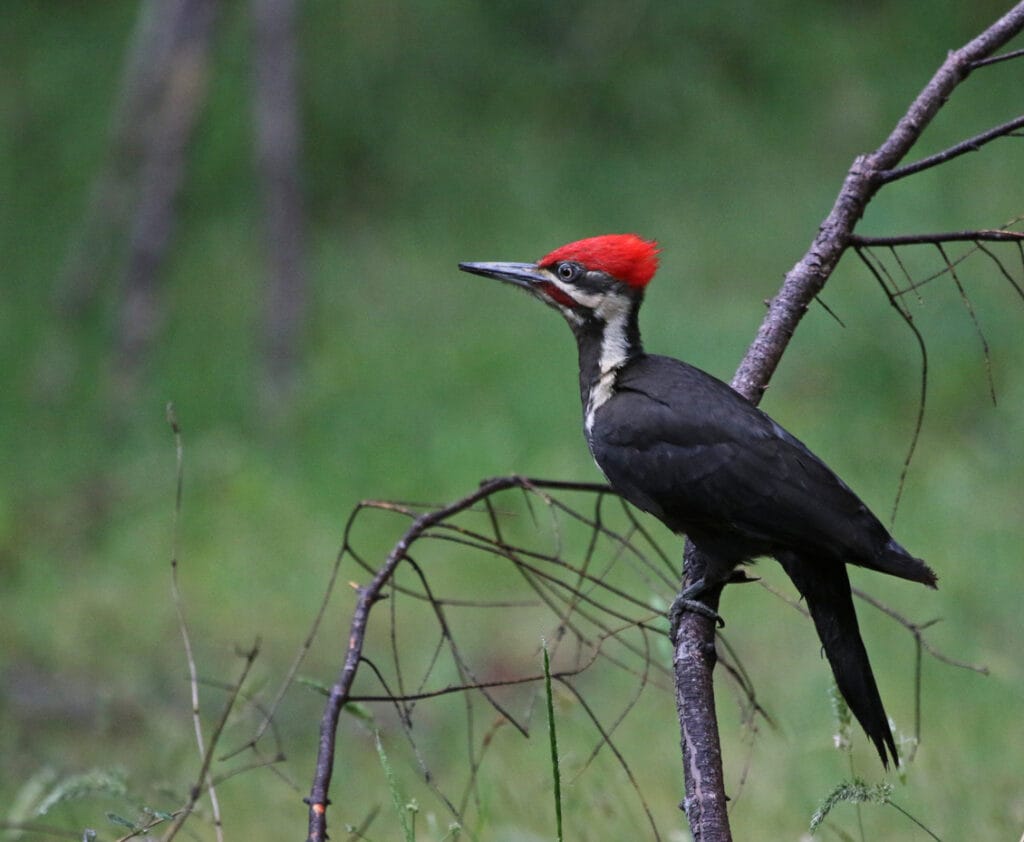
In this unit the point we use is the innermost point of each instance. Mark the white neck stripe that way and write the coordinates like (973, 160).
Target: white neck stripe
(614, 353)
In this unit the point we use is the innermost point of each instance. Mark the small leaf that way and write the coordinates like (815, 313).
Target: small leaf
(114, 818)
(93, 782)
(358, 711)
(855, 792)
(396, 795)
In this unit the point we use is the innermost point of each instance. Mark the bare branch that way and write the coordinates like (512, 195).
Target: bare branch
(969, 307)
(318, 798)
(179, 608)
(203, 777)
(597, 616)
(705, 803)
(972, 144)
(987, 235)
(806, 279)
(705, 793)
(918, 629)
(908, 319)
(997, 59)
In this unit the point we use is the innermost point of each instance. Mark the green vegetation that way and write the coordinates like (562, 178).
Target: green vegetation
(438, 132)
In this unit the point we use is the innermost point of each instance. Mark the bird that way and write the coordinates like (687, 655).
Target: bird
(687, 448)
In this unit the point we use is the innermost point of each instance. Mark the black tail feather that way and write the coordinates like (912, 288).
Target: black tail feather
(826, 588)
(894, 559)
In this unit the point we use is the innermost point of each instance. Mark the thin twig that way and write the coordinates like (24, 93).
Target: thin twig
(917, 629)
(974, 320)
(179, 608)
(972, 144)
(922, 401)
(987, 235)
(606, 739)
(996, 59)
(207, 758)
(339, 693)
(1002, 269)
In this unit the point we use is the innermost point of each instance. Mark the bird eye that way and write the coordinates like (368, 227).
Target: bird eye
(567, 271)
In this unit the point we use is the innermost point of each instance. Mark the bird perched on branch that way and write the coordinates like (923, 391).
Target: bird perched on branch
(684, 446)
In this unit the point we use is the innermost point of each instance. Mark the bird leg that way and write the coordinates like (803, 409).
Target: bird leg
(688, 601)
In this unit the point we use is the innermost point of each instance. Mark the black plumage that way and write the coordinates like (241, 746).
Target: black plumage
(686, 447)
(690, 450)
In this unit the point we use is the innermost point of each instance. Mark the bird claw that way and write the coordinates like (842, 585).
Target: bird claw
(683, 603)
(688, 601)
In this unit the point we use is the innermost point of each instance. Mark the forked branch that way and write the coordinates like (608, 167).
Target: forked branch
(695, 653)
(594, 618)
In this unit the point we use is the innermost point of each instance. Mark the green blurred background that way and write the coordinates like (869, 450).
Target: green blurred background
(437, 132)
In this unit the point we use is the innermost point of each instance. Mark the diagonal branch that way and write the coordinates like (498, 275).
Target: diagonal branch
(339, 692)
(806, 279)
(694, 644)
(597, 605)
(972, 144)
(997, 59)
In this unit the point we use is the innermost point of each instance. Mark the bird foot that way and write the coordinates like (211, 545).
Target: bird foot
(688, 601)
(683, 603)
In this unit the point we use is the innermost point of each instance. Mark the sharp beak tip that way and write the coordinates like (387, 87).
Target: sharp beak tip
(474, 268)
(520, 274)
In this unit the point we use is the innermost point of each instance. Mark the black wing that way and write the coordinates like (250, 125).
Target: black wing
(686, 447)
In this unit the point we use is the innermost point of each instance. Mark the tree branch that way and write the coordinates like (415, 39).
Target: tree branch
(996, 59)
(984, 235)
(972, 144)
(806, 279)
(694, 645)
(340, 692)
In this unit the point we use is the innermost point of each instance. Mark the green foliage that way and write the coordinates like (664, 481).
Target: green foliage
(403, 808)
(556, 774)
(858, 792)
(843, 719)
(852, 792)
(435, 132)
(95, 782)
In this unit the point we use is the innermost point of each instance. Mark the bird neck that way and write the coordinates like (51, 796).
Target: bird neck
(607, 341)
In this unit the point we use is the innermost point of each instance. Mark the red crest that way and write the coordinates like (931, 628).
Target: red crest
(626, 257)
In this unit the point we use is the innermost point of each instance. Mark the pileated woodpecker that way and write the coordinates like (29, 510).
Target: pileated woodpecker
(684, 446)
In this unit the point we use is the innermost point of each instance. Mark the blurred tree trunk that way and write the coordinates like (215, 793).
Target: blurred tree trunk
(162, 92)
(166, 37)
(172, 112)
(93, 250)
(278, 151)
